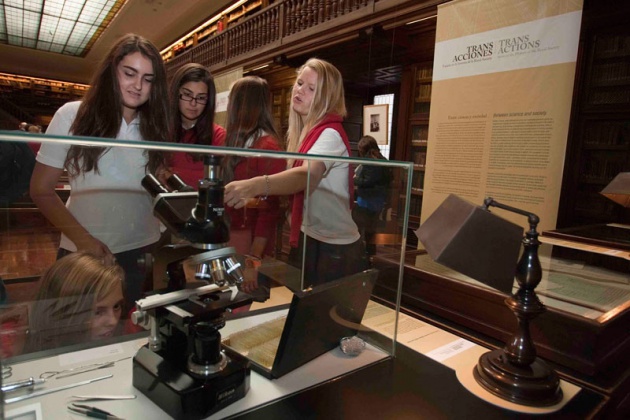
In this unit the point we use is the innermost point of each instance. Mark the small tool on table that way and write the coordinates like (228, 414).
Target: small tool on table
(29, 383)
(103, 397)
(51, 390)
(93, 412)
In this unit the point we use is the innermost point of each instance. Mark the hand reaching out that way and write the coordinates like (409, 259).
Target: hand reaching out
(238, 193)
(250, 281)
(94, 246)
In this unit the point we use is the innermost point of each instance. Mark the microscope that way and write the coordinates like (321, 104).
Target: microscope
(183, 369)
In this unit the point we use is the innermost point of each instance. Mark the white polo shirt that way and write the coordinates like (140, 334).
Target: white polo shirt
(329, 218)
(111, 205)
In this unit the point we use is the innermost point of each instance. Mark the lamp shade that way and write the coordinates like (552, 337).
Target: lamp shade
(473, 241)
(619, 189)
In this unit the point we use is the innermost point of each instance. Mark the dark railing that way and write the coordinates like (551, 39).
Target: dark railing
(272, 27)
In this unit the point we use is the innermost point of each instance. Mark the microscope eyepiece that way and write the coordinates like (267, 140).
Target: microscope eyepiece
(178, 184)
(153, 186)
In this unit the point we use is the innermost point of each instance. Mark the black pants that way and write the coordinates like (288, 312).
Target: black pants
(327, 262)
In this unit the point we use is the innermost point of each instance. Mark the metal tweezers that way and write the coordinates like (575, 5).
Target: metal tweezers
(92, 412)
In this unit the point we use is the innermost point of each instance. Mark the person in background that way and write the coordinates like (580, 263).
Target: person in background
(30, 128)
(334, 248)
(192, 100)
(372, 184)
(250, 126)
(109, 214)
(79, 299)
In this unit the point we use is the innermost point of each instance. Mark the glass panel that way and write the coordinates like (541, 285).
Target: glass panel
(199, 242)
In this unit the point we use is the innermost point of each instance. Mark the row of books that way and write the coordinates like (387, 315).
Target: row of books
(602, 170)
(607, 133)
(616, 71)
(613, 45)
(424, 73)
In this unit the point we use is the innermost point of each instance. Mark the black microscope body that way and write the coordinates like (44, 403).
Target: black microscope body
(183, 369)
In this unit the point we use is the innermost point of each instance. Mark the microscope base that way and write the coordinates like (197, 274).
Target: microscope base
(183, 396)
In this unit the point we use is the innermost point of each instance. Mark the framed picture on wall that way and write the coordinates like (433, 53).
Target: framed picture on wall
(375, 122)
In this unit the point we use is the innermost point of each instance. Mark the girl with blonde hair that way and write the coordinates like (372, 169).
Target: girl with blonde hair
(80, 299)
(331, 238)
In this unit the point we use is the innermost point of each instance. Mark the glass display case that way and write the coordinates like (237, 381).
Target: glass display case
(185, 329)
(583, 332)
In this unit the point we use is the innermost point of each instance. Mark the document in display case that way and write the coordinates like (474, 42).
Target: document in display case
(609, 235)
(317, 320)
(587, 296)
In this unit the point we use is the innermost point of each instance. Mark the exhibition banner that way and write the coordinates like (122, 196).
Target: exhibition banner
(503, 79)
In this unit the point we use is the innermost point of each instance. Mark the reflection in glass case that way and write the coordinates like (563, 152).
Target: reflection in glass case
(192, 300)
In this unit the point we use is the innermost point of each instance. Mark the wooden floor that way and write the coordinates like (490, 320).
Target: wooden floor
(27, 248)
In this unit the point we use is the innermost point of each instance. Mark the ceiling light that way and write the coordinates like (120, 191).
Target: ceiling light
(60, 26)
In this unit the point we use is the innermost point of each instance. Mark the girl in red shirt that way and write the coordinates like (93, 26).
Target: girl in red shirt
(250, 126)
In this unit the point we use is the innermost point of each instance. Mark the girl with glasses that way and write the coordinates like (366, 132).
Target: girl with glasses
(334, 248)
(192, 98)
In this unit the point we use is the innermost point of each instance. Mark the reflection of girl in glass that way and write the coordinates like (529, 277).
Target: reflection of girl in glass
(80, 299)
(333, 245)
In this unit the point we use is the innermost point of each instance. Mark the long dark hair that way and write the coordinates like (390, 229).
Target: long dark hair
(101, 110)
(248, 115)
(368, 147)
(193, 72)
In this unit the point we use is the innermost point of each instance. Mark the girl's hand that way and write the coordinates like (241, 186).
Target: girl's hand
(238, 193)
(250, 280)
(94, 246)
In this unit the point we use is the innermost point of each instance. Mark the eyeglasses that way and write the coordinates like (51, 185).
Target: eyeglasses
(201, 100)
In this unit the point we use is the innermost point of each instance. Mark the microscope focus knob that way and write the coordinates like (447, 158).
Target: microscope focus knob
(139, 318)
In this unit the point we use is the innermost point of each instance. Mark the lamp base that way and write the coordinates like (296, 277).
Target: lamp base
(534, 385)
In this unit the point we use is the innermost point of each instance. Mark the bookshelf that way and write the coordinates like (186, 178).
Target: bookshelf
(602, 129)
(414, 132)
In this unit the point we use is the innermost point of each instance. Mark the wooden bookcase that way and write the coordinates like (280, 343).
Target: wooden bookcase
(599, 143)
(413, 123)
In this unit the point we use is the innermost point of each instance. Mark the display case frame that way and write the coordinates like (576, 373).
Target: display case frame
(385, 343)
